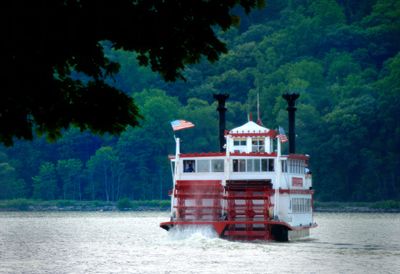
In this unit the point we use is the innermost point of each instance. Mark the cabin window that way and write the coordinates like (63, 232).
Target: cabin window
(257, 165)
(297, 166)
(203, 165)
(239, 165)
(217, 165)
(189, 165)
(258, 145)
(253, 165)
(284, 166)
(250, 165)
(301, 205)
(271, 165)
(267, 165)
(239, 142)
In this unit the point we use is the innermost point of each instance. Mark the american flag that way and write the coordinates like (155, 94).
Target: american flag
(181, 124)
(282, 135)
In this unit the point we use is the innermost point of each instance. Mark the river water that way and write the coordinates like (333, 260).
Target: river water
(132, 242)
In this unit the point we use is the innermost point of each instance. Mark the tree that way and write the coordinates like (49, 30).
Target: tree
(143, 150)
(347, 70)
(42, 44)
(11, 186)
(102, 173)
(69, 172)
(45, 183)
(383, 28)
(78, 145)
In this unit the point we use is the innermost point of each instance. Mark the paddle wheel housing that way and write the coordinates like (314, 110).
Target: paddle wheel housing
(240, 210)
(248, 204)
(198, 200)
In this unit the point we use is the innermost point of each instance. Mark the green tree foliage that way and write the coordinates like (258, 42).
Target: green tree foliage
(383, 25)
(69, 172)
(143, 150)
(103, 174)
(342, 56)
(45, 183)
(43, 44)
(11, 186)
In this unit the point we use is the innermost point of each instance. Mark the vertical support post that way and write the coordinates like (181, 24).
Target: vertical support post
(291, 100)
(221, 98)
(278, 170)
(175, 176)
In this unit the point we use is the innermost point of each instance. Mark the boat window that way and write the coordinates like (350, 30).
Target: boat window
(264, 165)
(284, 166)
(267, 165)
(301, 205)
(217, 165)
(239, 142)
(189, 165)
(250, 165)
(257, 163)
(239, 165)
(296, 166)
(203, 165)
(253, 165)
(271, 164)
(257, 145)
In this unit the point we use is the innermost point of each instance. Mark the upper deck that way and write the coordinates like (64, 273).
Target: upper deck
(252, 152)
(244, 166)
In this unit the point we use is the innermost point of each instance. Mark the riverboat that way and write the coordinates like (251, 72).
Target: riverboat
(248, 190)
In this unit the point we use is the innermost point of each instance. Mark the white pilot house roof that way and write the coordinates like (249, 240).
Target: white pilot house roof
(250, 127)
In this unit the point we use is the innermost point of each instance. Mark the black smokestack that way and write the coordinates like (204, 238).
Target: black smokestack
(291, 100)
(221, 98)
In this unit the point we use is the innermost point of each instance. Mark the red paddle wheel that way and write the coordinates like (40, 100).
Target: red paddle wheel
(248, 206)
(198, 200)
(239, 211)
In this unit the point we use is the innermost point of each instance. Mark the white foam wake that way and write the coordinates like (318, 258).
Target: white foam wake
(192, 232)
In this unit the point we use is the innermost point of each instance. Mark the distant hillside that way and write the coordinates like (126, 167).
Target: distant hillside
(341, 56)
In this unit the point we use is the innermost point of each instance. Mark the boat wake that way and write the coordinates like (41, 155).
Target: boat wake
(192, 233)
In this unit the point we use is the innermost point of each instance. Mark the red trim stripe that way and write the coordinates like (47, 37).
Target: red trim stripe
(273, 154)
(271, 133)
(298, 156)
(297, 191)
(206, 154)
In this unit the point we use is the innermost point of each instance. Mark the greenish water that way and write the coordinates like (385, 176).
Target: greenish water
(132, 242)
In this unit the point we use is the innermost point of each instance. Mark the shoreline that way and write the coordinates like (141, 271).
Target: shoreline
(356, 210)
(82, 209)
(164, 205)
(145, 208)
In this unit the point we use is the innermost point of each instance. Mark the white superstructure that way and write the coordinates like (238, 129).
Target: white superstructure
(253, 157)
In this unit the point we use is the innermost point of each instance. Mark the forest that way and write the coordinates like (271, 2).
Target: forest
(342, 56)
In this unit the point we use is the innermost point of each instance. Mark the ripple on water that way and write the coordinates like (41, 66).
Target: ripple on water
(133, 243)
